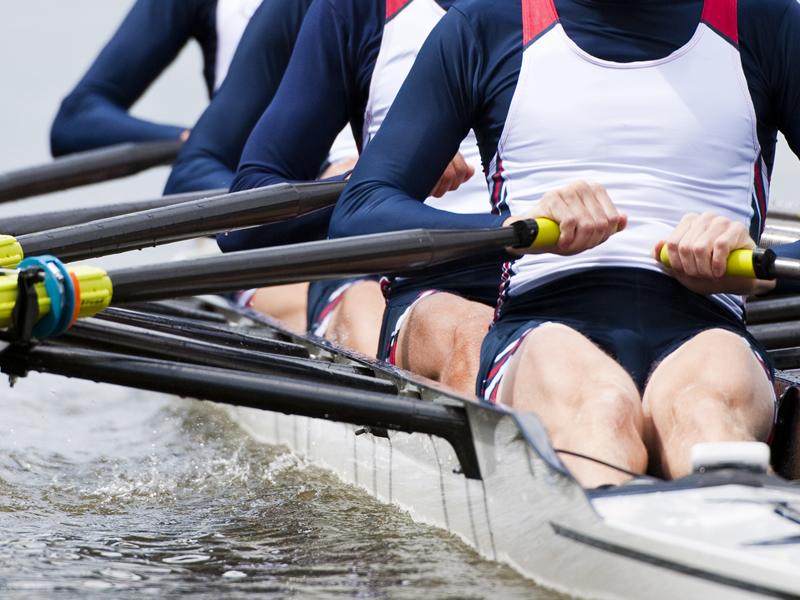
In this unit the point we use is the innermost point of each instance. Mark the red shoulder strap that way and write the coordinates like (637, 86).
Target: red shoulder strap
(721, 15)
(537, 17)
(395, 6)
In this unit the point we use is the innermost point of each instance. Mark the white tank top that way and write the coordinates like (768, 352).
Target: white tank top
(232, 18)
(407, 27)
(666, 137)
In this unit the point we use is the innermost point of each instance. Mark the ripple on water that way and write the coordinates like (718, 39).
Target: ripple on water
(103, 488)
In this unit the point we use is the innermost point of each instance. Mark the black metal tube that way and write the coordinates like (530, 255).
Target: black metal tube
(115, 337)
(176, 308)
(182, 221)
(773, 309)
(203, 331)
(83, 168)
(25, 224)
(786, 359)
(777, 335)
(319, 401)
(329, 259)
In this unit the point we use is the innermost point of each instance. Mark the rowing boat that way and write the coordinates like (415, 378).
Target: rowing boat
(729, 532)
(483, 473)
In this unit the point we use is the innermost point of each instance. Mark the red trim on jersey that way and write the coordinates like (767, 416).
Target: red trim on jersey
(394, 6)
(722, 16)
(537, 17)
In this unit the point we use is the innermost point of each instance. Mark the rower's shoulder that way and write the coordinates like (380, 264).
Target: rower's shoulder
(357, 12)
(489, 15)
(766, 11)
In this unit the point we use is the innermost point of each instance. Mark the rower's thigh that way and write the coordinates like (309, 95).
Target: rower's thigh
(286, 303)
(714, 379)
(562, 375)
(440, 328)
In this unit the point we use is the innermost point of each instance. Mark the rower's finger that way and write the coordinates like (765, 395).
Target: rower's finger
(600, 225)
(734, 237)
(463, 171)
(673, 242)
(552, 206)
(694, 252)
(706, 229)
(615, 218)
(443, 185)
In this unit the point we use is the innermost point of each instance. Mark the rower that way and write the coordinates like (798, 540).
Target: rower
(634, 125)
(95, 113)
(356, 53)
(208, 159)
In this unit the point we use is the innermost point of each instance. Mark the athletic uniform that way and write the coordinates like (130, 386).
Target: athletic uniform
(95, 113)
(358, 52)
(209, 158)
(672, 106)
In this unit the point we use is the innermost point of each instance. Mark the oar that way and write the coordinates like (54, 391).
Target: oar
(84, 168)
(52, 219)
(84, 291)
(277, 394)
(757, 263)
(173, 223)
(116, 337)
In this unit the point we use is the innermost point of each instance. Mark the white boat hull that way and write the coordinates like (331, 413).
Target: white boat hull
(528, 514)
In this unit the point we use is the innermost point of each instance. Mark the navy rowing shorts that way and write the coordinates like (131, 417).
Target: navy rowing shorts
(324, 297)
(637, 317)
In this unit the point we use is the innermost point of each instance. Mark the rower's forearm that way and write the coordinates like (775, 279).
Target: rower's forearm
(367, 208)
(96, 123)
(308, 228)
(193, 174)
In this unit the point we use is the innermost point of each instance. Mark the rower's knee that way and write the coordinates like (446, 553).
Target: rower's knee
(442, 332)
(712, 386)
(460, 369)
(356, 322)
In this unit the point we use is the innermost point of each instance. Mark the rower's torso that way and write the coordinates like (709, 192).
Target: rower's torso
(665, 137)
(407, 26)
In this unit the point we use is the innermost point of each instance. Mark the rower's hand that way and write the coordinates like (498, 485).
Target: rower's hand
(339, 167)
(584, 212)
(456, 173)
(698, 252)
(184, 137)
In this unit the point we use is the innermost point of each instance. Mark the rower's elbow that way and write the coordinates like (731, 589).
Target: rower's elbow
(248, 178)
(62, 130)
(344, 218)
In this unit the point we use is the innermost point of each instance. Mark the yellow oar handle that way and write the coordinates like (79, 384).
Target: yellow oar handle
(10, 252)
(95, 293)
(740, 262)
(548, 234)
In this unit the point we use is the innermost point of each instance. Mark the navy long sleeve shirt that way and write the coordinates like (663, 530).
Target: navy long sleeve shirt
(95, 113)
(209, 158)
(466, 74)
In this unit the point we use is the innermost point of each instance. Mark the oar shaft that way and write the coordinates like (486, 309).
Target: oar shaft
(330, 259)
(316, 400)
(214, 333)
(181, 221)
(86, 167)
(105, 335)
(25, 224)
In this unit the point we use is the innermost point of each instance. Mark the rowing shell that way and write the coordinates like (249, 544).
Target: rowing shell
(728, 533)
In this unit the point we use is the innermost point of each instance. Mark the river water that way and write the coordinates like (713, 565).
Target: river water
(110, 492)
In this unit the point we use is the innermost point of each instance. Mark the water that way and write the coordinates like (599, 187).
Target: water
(102, 488)
(110, 492)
